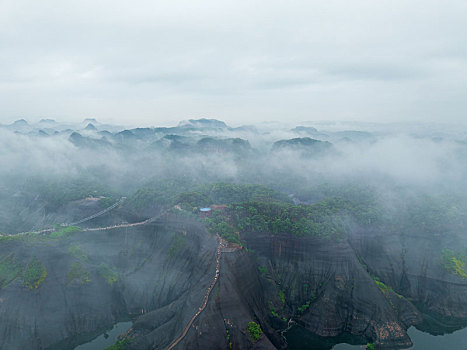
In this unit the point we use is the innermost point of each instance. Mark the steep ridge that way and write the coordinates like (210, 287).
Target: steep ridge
(206, 297)
(412, 264)
(321, 285)
(124, 271)
(161, 272)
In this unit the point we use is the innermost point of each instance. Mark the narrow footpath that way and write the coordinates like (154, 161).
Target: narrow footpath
(50, 230)
(118, 226)
(220, 246)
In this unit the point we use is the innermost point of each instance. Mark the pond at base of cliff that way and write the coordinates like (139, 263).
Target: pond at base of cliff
(425, 341)
(106, 339)
(299, 338)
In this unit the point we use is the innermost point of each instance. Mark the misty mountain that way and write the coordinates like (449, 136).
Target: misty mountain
(305, 145)
(236, 145)
(203, 124)
(47, 122)
(311, 195)
(360, 238)
(82, 141)
(19, 125)
(90, 127)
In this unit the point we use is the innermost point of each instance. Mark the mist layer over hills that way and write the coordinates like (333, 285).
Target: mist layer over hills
(429, 155)
(340, 228)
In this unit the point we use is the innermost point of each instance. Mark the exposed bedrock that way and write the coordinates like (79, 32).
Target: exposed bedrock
(121, 272)
(322, 285)
(412, 265)
(159, 274)
(317, 283)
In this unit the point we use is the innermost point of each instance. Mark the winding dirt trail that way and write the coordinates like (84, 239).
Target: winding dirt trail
(206, 296)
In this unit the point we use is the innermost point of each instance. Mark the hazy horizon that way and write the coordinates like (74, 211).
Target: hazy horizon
(233, 174)
(323, 125)
(156, 63)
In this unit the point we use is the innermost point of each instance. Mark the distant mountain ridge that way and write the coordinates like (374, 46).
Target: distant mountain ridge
(203, 123)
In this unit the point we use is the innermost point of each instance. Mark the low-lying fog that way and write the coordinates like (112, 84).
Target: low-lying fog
(429, 156)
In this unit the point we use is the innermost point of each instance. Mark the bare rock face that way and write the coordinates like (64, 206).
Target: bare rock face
(159, 274)
(323, 286)
(317, 283)
(412, 264)
(95, 278)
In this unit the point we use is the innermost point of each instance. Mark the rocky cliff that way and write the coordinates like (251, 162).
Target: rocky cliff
(366, 284)
(94, 278)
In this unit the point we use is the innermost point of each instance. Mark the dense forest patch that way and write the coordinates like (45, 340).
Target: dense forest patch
(192, 196)
(329, 218)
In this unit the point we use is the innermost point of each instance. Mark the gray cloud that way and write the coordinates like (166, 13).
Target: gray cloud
(258, 60)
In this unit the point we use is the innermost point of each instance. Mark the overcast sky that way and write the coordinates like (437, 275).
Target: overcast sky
(155, 62)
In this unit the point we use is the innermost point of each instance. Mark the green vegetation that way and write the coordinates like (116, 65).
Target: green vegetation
(34, 237)
(282, 296)
(273, 310)
(77, 252)
(77, 272)
(106, 202)
(262, 270)
(10, 269)
(228, 338)
(370, 346)
(177, 243)
(190, 194)
(304, 307)
(254, 330)
(34, 274)
(109, 275)
(27, 238)
(432, 215)
(59, 192)
(455, 262)
(216, 224)
(384, 288)
(328, 218)
(146, 198)
(6, 238)
(160, 193)
(225, 193)
(255, 208)
(65, 231)
(192, 199)
(120, 344)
